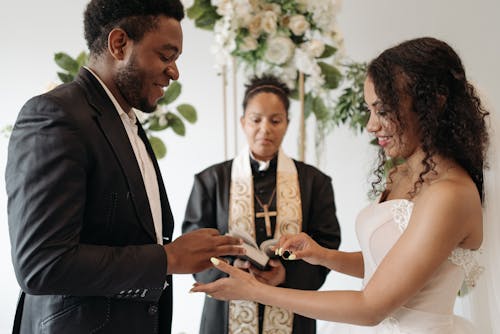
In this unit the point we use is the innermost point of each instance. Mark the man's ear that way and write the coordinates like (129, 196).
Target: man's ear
(117, 41)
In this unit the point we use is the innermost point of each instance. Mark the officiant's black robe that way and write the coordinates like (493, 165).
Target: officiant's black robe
(208, 207)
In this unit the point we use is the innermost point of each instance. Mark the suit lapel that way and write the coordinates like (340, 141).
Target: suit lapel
(112, 127)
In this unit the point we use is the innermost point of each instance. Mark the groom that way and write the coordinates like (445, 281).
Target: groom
(89, 220)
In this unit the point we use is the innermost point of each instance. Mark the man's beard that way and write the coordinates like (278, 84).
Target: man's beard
(129, 81)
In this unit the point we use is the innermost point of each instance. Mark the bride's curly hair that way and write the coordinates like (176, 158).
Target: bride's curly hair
(450, 114)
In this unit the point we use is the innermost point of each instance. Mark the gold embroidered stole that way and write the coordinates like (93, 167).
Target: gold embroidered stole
(244, 315)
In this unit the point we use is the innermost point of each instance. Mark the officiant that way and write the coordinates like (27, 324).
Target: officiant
(265, 193)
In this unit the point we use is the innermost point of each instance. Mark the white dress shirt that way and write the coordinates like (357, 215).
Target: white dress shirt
(148, 172)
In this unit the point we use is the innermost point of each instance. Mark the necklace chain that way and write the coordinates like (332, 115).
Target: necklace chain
(268, 204)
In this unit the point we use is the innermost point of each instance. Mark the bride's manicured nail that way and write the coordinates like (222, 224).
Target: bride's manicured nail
(215, 261)
(280, 251)
(208, 296)
(292, 257)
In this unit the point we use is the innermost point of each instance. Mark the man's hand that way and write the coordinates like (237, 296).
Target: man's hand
(191, 252)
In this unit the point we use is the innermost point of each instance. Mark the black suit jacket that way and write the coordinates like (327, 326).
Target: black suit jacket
(82, 235)
(208, 206)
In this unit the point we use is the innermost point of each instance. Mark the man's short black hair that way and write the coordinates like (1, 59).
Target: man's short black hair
(136, 17)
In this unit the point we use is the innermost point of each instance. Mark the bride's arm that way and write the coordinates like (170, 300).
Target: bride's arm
(441, 220)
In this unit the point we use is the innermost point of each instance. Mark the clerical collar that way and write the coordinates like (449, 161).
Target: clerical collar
(261, 166)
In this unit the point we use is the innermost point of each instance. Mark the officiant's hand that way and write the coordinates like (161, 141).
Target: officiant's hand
(241, 264)
(274, 276)
(300, 246)
(191, 252)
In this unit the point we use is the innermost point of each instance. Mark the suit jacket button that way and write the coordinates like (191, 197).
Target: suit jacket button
(153, 309)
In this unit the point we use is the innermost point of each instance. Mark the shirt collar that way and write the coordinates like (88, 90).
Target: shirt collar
(261, 166)
(131, 114)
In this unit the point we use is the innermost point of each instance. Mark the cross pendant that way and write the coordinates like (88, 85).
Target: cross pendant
(267, 218)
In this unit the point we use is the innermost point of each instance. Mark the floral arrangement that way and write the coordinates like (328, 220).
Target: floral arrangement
(287, 38)
(161, 119)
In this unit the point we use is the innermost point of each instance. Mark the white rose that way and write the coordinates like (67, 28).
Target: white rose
(304, 62)
(187, 3)
(314, 48)
(224, 7)
(298, 24)
(302, 5)
(248, 44)
(314, 83)
(242, 13)
(255, 26)
(289, 76)
(272, 7)
(279, 50)
(268, 23)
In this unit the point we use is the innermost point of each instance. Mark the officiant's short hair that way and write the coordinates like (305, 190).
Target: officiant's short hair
(267, 84)
(136, 17)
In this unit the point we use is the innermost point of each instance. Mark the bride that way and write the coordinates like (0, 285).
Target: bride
(418, 239)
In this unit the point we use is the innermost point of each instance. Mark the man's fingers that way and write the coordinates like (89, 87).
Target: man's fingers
(228, 251)
(228, 240)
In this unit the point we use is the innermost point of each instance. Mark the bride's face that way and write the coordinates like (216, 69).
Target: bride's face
(398, 137)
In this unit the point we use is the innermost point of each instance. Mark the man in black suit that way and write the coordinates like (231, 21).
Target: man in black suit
(89, 219)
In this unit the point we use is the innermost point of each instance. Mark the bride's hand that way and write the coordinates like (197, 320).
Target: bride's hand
(240, 285)
(300, 246)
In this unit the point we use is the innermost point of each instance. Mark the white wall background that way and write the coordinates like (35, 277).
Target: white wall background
(32, 31)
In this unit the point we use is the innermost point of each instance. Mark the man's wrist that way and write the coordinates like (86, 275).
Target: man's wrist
(171, 261)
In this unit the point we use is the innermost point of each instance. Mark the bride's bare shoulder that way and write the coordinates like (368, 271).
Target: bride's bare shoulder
(453, 203)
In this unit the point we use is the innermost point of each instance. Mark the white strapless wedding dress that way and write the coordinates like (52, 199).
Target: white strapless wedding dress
(430, 311)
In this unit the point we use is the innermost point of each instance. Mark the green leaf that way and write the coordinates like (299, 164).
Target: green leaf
(294, 94)
(154, 123)
(65, 77)
(173, 91)
(329, 51)
(207, 20)
(64, 61)
(196, 10)
(320, 110)
(188, 112)
(308, 105)
(158, 147)
(332, 75)
(82, 58)
(176, 123)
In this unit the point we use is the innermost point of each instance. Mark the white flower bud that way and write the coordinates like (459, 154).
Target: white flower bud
(314, 48)
(298, 25)
(248, 44)
(269, 24)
